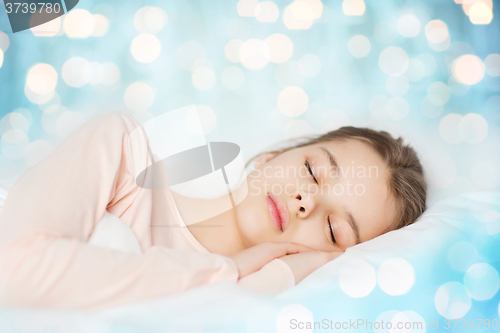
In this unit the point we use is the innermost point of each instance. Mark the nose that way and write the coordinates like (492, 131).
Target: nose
(305, 203)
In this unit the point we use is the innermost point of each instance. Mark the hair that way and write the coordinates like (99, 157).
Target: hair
(405, 173)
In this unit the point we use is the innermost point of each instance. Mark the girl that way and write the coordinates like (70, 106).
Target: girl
(305, 205)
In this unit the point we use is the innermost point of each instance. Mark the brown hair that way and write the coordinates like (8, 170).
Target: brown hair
(406, 175)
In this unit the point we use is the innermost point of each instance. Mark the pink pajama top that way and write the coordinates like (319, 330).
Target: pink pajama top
(53, 209)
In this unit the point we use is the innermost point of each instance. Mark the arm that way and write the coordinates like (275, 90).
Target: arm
(53, 209)
(285, 272)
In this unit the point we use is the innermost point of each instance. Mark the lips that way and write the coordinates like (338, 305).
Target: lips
(278, 211)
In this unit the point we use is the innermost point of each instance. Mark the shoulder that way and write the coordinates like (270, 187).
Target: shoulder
(113, 123)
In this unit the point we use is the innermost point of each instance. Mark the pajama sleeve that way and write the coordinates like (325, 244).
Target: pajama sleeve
(273, 278)
(53, 209)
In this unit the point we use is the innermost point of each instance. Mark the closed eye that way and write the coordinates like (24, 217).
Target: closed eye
(331, 230)
(308, 166)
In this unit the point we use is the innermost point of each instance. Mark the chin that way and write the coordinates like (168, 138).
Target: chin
(253, 224)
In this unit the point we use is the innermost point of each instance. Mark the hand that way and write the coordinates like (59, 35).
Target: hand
(253, 258)
(303, 264)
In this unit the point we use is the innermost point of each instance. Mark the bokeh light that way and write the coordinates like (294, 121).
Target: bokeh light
(468, 69)
(482, 281)
(359, 46)
(408, 26)
(293, 101)
(139, 96)
(395, 276)
(393, 61)
(76, 72)
(188, 53)
(397, 85)
(4, 41)
(145, 48)
(78, 23)
(492, 63)
(289, 74)
(473, 128)
(280, 48)
(353, 7)
(357, 278)
(48, 29)
(267, 11)
(203, 78)
(101, 25)
(232, 50)
(452, 300)
(291, 313)
(41, 79)
(150, 19)
(247, 8)
(254, 54)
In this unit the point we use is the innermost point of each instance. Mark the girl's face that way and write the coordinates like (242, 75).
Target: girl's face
(298, 195)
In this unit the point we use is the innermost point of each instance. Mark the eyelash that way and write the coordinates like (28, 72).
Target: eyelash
(308, 166)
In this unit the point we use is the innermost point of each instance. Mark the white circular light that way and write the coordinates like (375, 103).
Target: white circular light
(480, 13)
(436, 32)
(482, 281)
(359, 46)
(298, 16)
(473, 128)
(101, 25)
(78, 23)
(357, 278)
(293, 101)
(76, 72)
(139, 97)
(353, 7)
(309, 65)
(42, 79)
(254, 54)
(150, 19)
(232, 50)
(448, 128)
(452, 300)
(203, 78)
(408, 26)
(247, 8)
(393, 61)
(280, 48)
(232, 77)
(4, 41)
(267, 11)
(395, 276)
(110, 73)
(468, 69)
(492, 63)
(145, 48)
(438, 93)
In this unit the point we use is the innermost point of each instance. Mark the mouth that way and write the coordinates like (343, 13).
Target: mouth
(278, 211)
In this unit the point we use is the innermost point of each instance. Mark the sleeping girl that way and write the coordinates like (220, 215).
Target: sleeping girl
(306, 204)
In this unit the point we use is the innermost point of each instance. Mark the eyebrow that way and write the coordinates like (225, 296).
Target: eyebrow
(331, 159)
(348, 213)
(353, 224)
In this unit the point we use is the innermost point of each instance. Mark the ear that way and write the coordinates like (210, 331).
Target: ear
(263, 159)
